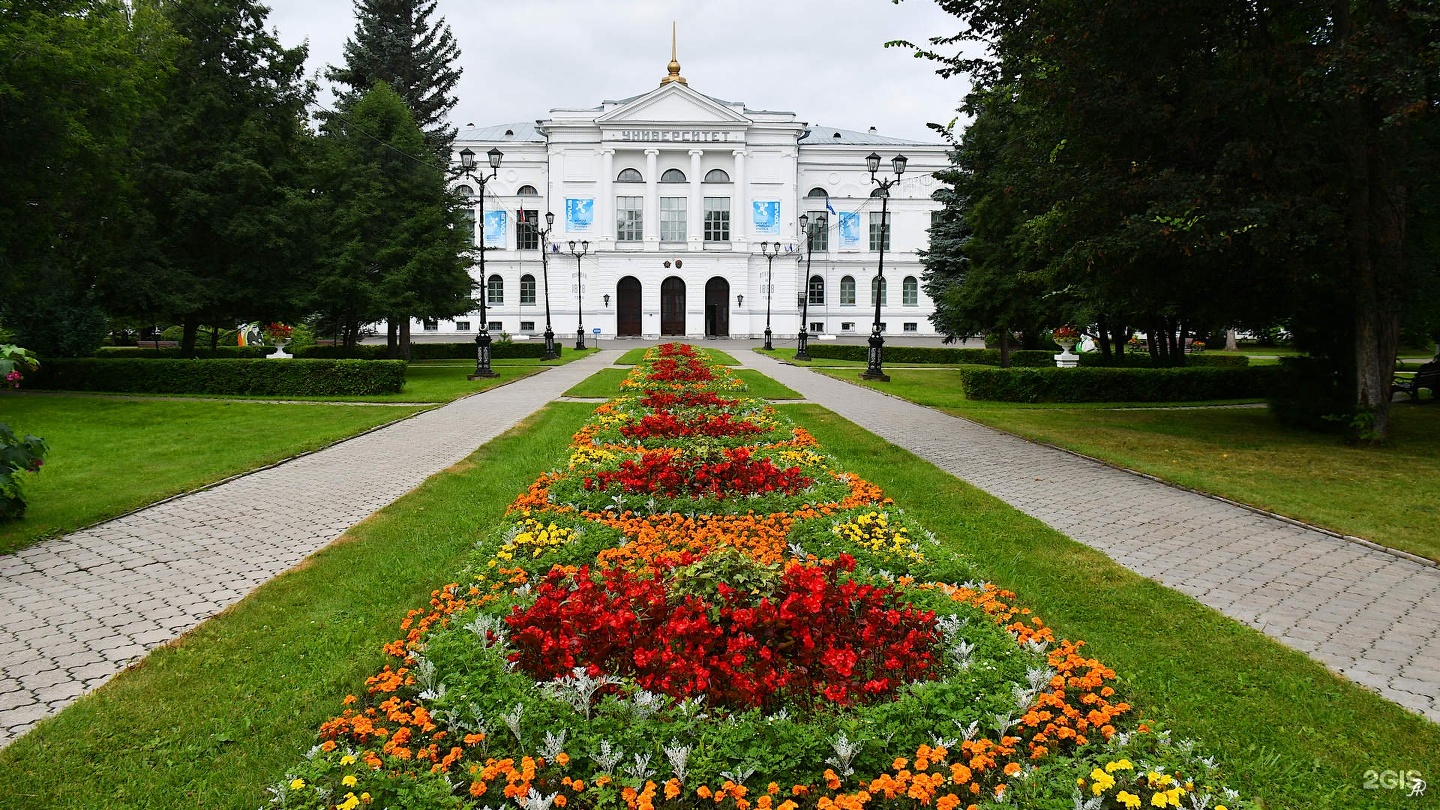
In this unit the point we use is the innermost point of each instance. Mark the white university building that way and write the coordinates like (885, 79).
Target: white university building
(681, 196)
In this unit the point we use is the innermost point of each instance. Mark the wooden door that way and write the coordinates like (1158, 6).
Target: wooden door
(627, 307)
(717, 307)
(672, 306)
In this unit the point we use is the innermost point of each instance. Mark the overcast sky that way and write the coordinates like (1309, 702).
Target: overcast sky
(824, 61)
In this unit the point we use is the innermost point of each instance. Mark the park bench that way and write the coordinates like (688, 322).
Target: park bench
(1428, 376)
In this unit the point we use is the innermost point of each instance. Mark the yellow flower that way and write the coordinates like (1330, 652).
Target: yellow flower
(351, 802)
(349, 780)
(1103, 781)
(1119, 765)
(296, 784)
(1128, 799)
(348, 759)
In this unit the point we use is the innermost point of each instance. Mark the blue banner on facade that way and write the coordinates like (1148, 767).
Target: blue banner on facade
(767, 216)
(849, 229)
(496, 229)
(579, 214)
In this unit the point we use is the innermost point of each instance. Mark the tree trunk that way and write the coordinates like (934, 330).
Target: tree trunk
(214, 339)
(1005, 347)
(1104, 330)
(391, 338)
(191, 325)
(405, 339)
(1121, 338)
(1231, 343)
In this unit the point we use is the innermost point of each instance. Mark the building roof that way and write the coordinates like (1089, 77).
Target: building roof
(818, 135)
(521, 132)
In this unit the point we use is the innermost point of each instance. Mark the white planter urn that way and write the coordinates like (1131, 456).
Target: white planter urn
(279, 353)
(1067, 358)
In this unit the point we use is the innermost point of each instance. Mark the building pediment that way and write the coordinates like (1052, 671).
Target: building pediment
(672, 105)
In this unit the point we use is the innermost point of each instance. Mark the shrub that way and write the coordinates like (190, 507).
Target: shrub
(432, 351)
(262, 377)
(1131, 360)
(1116, 384)
(17, 455)
(203, 352)
(1312, 395)
(929, 354)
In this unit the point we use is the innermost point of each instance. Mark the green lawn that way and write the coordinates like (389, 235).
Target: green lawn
(109, 455)
(634, 356)
(214, 718)
(1390, 494)
(606, 383)
(1288, 730)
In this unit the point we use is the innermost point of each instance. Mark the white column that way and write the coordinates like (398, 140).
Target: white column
(695, 207)
(740, 210)
(603, 231)
(652, 201)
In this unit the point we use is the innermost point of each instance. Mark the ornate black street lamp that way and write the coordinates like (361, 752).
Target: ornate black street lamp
(769, 282)
(875, 370)
(550, 353)
(579, 293)
(482, 340)
(803, 342)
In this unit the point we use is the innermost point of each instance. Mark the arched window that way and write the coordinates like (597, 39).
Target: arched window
(817, 192)
(527, 191)
(883, 285)
(847, 291)
(465, 191)
(910, 292)
(672, 176)
(879, 192)
(717, 176)
(495, 291)
(629, 176)
(817, 291)
(527, 289)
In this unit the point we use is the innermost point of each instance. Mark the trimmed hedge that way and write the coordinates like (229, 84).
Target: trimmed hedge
(1097, 360)
(943, 356)
(1117, 384)
(319, 378)
(435, 351)
(231, 352)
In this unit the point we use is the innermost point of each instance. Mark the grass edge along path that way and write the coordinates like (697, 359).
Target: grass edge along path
(212, 718)
(1288, 731)
(174, 442)
(1387, 495)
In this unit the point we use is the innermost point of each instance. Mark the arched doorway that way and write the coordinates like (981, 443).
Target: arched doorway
(672, 306)
(717, 307)
(627, 307)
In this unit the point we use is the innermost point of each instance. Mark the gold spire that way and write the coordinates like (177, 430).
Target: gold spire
(674, 65)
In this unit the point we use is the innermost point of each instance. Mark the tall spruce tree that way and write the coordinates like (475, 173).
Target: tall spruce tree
(401, 43)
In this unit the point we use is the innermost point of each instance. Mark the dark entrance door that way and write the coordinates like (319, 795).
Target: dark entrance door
(672, 306)
(717, 307)
(627, 307)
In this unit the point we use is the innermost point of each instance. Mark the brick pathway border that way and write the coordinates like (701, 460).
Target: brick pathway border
(77, 609)
(1366, 613)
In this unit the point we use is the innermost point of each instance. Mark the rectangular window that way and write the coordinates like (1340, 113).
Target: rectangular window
(935, 219)
(910, 292)
(817, 291)
(467, 218)
(430, 325)
(527, 290)
(847, 291)
(912, 327)
(527, 326)
(819, 231)
(527, 230)
(629, 219)
(882, 284)
(875, 229)
(672, 219)
(717, 219)
(462, 326)
(497, 326)
(884, 326)
(847, 326)
(817, 327)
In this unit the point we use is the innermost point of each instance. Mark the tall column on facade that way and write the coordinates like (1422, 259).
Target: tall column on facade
(652, 199)
(695, 207)
(603, 229)
(740, 215)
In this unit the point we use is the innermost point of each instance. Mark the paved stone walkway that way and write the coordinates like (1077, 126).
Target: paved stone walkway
(1367, 614)
(77, 609)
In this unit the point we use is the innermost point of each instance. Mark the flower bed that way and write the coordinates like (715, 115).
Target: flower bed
(693, 614)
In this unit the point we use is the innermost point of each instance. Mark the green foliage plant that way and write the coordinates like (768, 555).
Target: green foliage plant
(251, 377)
(14, 362)
(1116, 384)
(17, 455)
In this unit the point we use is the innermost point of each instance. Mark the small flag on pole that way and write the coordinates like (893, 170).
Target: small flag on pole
(828, 206)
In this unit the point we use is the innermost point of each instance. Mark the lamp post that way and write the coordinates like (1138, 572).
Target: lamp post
(579, 293)
(482, 340)
(803, 341)
(550, 353)
(769, 255)
(875, 369)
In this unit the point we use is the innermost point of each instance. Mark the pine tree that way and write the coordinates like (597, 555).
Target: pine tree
(398, 42)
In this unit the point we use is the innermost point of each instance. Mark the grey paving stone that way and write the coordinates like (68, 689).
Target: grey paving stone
(1346, 605)
(125, 586)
